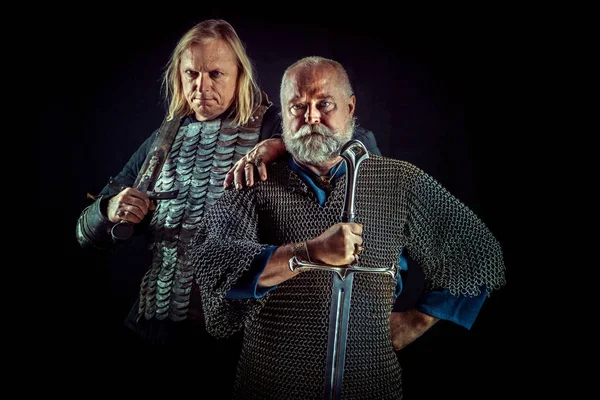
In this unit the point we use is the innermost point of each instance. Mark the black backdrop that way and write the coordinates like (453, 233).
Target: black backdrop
(102, 81)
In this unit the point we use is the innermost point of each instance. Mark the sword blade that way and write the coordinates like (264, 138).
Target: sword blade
(338, 333)
(353, 153)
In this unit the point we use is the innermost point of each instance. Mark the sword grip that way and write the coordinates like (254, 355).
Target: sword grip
(149, 171)
(353, 153)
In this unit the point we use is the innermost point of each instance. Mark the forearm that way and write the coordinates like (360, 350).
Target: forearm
(277, 269)
(409, 325)
(93, 228)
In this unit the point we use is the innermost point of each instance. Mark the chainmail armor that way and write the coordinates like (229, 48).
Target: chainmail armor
(201, 155)
(285, 332)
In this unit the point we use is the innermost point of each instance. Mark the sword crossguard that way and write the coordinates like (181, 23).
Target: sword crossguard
(343, 270)
(152, 195)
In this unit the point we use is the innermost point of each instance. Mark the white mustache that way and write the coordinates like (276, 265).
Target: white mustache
(306, 130)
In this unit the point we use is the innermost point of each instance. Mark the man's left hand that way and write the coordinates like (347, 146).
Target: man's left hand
(263, 153)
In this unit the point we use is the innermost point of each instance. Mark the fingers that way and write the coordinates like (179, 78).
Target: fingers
(353, 241)
(228, 178)
(249, 174)
(243, 172)
(340, 244)
(358, 248)
(130, 205)
(256, 160)
(260, 165)
(354, 228)
(239, 175)
(262, 170)
(232, 174)
(130, 214)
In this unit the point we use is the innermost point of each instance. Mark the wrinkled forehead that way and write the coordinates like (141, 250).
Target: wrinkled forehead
(209, 50)
(314, 81)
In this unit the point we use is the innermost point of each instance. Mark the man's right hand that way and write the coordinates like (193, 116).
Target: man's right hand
(130, 205)
(337, 245)
(263, 153)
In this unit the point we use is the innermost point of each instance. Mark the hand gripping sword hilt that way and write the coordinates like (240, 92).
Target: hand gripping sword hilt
(149, 172)
(123, 230)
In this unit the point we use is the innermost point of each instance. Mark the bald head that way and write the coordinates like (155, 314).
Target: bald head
(307, 71)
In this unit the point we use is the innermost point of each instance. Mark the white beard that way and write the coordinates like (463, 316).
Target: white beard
(317, 144)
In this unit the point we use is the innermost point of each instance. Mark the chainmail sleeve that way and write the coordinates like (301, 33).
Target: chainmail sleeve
(453, 246)
(222, 250)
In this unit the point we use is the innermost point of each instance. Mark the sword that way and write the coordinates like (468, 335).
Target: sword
(353, 153)
(148, 175)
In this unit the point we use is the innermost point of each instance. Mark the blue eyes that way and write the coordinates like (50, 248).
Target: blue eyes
(323, 104)
(300, 108)
(194, 74)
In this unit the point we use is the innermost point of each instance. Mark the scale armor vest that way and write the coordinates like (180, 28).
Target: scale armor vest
(285, 332)
(201, 155)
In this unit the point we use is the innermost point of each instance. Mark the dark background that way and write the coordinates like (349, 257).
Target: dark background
(102, 88)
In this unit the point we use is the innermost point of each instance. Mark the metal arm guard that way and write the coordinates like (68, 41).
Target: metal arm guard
(93, 228)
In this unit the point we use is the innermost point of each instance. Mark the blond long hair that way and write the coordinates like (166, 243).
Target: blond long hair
(248, 94)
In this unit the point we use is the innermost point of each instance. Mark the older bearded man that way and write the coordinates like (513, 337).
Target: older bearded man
(247, 243)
